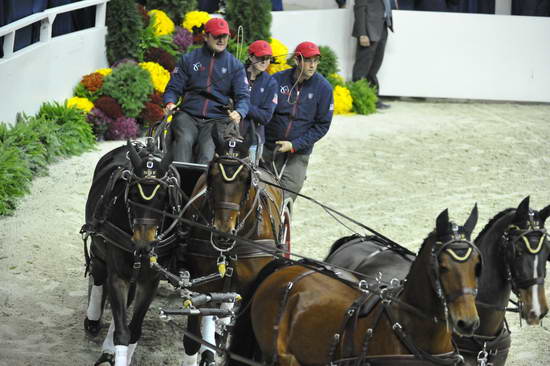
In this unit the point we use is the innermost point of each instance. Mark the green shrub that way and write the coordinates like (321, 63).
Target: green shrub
(81, 91)
(68, 131)
(334, 80)
(148, 39)
(15, 177)
(131, 86)
(233, 47)
(124, 25)
(26, 140)
(364, 96)
(175, 9)
(253, 15)
(329, 62)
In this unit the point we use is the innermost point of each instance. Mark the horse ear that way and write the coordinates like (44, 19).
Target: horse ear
(134, 157)
(522, 212)
(442, 223)
(470, 224)
(543, 215)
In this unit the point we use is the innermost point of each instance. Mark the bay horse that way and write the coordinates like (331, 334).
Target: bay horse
(131, 184)
(234, 198)
(515, 248)
(303, 316)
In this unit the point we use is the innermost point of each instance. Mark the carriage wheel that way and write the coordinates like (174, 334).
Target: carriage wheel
(286, 228)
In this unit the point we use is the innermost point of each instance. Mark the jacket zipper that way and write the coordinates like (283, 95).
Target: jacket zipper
(205, 106)
(293, 115)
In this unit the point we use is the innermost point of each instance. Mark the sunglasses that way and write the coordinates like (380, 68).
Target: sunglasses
(263, 58)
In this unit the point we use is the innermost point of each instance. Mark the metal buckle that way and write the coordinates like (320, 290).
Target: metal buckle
(229, 272)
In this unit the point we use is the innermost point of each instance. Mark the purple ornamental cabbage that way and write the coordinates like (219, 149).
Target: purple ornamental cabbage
(182, 38)
(122, 128)
(100, 122)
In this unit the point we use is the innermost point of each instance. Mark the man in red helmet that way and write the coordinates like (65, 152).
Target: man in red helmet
(207, 78)
(263, 96)
(302, 117)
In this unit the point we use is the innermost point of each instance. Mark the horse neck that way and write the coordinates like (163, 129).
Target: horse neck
(494, 288)
(429, 335)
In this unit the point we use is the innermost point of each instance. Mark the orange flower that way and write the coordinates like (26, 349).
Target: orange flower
(93, 82)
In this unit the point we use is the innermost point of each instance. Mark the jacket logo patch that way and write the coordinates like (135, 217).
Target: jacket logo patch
(310, 96)
(262, 90)
(197, 66)
(284, 90)
(176, 69)
(224, 70)
(275, 99)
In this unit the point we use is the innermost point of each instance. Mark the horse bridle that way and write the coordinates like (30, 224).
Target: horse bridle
(511, 236)
(253, 181)
(170, 182)
(458, 241)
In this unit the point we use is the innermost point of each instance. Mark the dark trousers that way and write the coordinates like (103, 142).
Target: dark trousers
(294, 173)
(369, 59)
(188, 131)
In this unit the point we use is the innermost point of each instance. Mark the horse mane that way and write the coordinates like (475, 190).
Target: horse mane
(492, 222)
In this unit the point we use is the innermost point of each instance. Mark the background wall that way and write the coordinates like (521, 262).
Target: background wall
(440, 55)
(49, 71)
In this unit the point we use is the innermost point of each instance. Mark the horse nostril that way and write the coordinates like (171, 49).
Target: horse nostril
(233, 232)
(543, 314)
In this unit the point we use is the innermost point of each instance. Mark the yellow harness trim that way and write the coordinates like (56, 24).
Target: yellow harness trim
(148, 198)
(222, 269)
(225, 177)
(457, 257)
(528, 245)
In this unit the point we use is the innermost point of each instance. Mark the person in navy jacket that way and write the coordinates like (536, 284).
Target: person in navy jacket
(302, 117)
(263, 96)
(208, 79)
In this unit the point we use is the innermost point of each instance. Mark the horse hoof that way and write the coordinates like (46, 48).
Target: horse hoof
(92, 327)
(106, 359)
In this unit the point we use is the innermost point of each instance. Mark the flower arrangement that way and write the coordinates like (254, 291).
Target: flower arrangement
(105, 71)
(151, 113)
(93, 82)
(159, 75)
(194, 21)
(161, 57)
(343, 101)
(274, 68)
(83, 104)
(122, 128)
(182, 38)
(156, 98)
(280, 51)
(364, 96)
(109, 106)
(162, 24)
(144, 16)
(99, 121)
(336, 79)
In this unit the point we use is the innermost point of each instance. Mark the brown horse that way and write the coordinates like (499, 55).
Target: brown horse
(300, 316)
(233, 197)
(515, 249)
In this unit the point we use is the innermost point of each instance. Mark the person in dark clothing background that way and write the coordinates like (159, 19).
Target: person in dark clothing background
(263, 96)
(208, 78)
(302, 117)
(372, 20)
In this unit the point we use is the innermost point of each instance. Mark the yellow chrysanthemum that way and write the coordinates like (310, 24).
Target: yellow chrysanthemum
(343, 102)
(162, 24)
(159, 75)
(195, 19)
(104, 72)
(280, 51)
(81, 103)
(273, 68)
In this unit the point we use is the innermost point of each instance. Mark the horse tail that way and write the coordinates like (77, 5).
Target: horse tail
(338, 243)
(243, 341)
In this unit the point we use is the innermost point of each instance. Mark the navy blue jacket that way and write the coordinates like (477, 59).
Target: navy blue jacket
(263, 100)
(305, 118)
(220, 74)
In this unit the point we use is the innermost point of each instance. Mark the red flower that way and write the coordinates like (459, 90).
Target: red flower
(144, 15)
(160, 56)
(151, 113)
(109, 106)
(156, 98)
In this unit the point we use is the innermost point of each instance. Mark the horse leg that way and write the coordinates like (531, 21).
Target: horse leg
(96, 297)
(145, 293)
(208, 331)
(191, 348)
(118, 294)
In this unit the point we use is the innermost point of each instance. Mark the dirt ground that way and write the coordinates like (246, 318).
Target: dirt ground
(394, 171)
